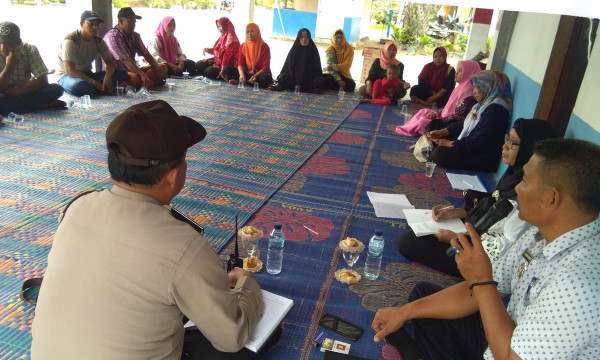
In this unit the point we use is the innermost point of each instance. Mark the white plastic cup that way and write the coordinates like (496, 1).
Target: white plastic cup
(86, 102)
(241, 85)
(171, 86)
(186, 75)
(297, 90)
(120, 91)
(404, 110)
(256, 88)
(429, 167)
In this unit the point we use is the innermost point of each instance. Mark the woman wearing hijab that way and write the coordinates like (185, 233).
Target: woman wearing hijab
(473, 144)
(302, 66)
(436, 81)
(225, 51)
(339, 57)
(459, 104)
(165, 49)
(254, 61)
(430, 250)
(378, 71)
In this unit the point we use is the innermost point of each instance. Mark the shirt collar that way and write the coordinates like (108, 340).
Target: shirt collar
(119, 191)
(571, 238)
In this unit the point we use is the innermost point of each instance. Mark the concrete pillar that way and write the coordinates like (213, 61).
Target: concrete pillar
(480, 29)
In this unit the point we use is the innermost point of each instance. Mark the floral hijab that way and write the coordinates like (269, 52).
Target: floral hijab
(227, 38)
(168, 44)
(252, 49)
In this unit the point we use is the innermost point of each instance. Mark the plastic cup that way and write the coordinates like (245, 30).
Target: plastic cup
(186, 75)
(86, 102)
(404, 110)
(429, 167)
(256, 88)
(120, 91)
(297, 90)
(240, 85)
(171, 86)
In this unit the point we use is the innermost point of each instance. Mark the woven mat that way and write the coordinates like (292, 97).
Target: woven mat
(328, 195)
(255, 142)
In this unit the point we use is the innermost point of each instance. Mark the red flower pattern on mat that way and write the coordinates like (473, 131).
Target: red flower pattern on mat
(360, 114)
(325, 165)
(343, 137)
(438, 183)
(292, 221)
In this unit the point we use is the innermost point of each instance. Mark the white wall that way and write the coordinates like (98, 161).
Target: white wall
(531, 44)
(586, 107)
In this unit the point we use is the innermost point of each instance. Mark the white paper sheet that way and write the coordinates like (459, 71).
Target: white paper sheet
(465, 182)
(421, 222)
(389, 205)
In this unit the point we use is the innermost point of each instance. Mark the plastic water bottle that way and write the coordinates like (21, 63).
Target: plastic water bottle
(275, 254)
(373, 263)
(341, 94)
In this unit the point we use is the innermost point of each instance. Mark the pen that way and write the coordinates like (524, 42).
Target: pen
(309, 229)
(441, 209)
(469, 185)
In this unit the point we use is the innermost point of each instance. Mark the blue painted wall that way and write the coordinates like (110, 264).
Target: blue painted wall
(352, 29)
(293, 21)
(579, 129)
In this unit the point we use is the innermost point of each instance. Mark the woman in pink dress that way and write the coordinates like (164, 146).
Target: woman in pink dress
(459, 104)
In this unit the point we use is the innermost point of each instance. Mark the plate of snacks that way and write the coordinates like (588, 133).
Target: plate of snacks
(250, 233)
(351, 244)
(347, 276)
(253, 264)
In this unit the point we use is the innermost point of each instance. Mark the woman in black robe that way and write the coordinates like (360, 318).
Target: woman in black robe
(302, 66)
(430, 250)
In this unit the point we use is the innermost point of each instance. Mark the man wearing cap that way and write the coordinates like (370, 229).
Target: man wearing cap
(125, 268)
(76, 54)
(124, 43)
(23, 76)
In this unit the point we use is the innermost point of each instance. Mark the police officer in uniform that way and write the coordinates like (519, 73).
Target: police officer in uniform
(124, 270)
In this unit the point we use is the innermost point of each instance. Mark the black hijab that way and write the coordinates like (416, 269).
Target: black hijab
(530, 131)
(303, 63)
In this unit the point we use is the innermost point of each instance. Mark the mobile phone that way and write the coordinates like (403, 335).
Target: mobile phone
(341, 327)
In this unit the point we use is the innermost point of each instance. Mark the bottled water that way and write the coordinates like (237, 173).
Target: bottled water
(373, 263)
(341, 94)
(275, 254)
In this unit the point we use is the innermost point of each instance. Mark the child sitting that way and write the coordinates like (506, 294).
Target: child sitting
(384, 90)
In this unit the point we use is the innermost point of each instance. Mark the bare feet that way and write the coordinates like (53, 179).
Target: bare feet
(233, 82)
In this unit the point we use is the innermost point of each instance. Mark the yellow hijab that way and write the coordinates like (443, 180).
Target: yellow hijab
(344, 54)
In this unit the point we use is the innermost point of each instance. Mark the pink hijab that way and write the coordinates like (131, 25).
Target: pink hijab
(464, 88)
(168, 44)
(384, 62)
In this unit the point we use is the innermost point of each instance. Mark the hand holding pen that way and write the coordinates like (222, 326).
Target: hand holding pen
(442, 212)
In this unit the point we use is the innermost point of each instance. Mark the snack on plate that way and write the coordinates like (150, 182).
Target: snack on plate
(351, 244)
(253, 264)
(250, 233)
(347, 276)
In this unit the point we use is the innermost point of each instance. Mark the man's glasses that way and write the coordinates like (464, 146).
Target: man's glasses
(510, 142)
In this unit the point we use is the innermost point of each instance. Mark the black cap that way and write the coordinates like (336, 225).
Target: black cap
(90, 15)
(151, 133)
(127, 12)
(10, 34)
